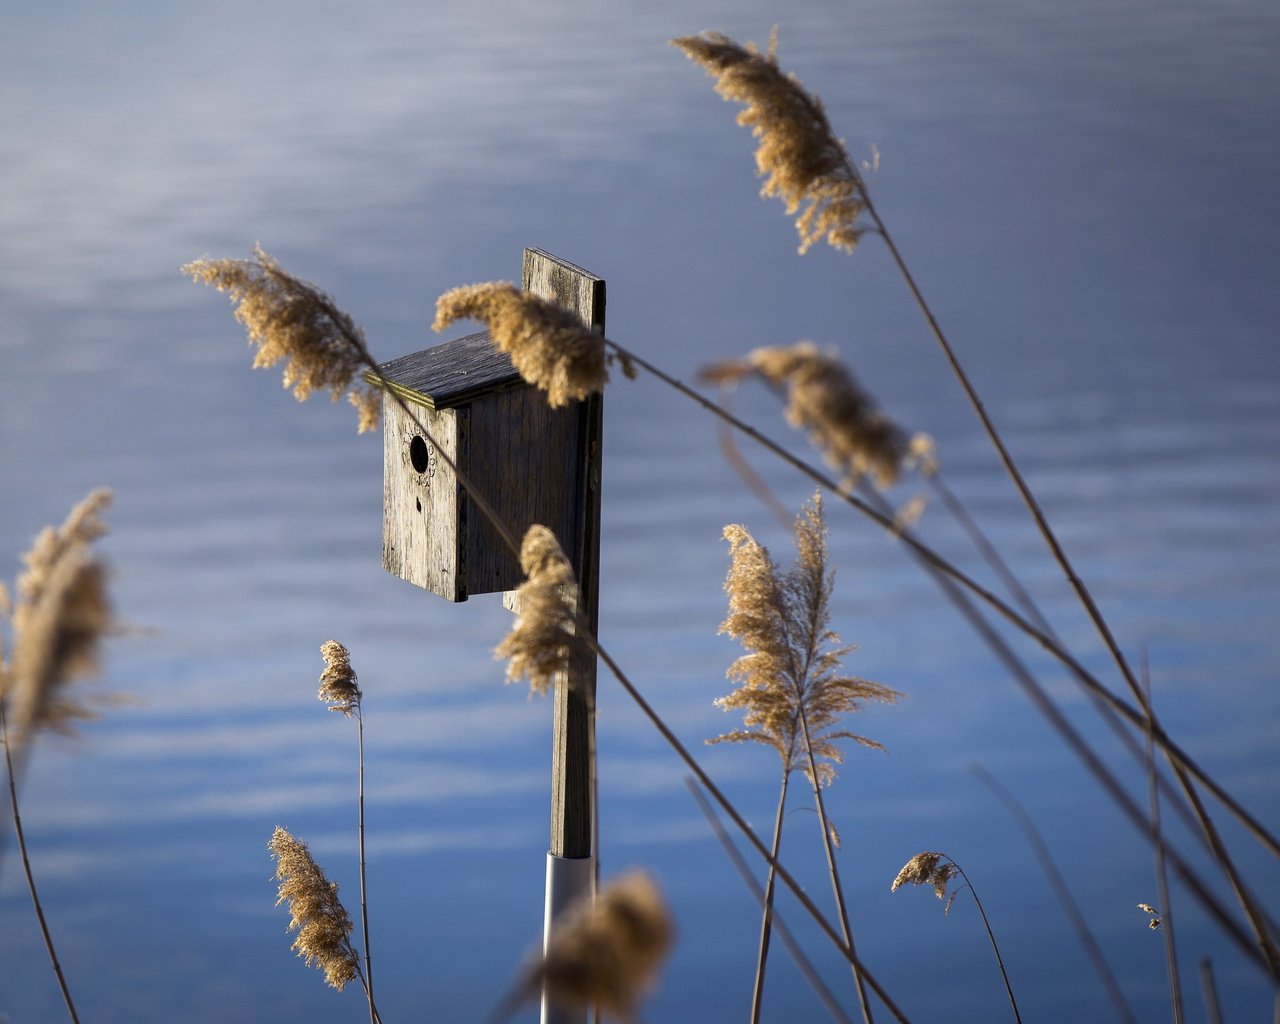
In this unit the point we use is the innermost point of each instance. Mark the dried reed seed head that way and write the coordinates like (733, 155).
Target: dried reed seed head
(316, 913)
(60, 616)
(798, 155)
(544, 641)
(824, 398)
(608, 953)
(339, 687)
(923, 454)
(793, 658)
(549, 346)
(927, 868)
(289, 319)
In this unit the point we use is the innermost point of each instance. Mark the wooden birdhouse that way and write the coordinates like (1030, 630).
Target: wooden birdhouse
(532, 463)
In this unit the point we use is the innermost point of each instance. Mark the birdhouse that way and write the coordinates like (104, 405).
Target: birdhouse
(524, 457)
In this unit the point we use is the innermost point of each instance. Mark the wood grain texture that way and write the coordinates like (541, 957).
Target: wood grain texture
(573, 752)
(423, 525)
(451, 374)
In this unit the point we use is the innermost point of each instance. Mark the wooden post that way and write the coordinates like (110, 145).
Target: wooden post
(571, 861)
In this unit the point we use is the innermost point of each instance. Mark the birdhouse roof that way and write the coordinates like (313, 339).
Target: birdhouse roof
(451, 374)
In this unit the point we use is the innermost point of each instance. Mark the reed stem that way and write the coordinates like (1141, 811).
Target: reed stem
(26, 869)
(832, 869)
(1059, 885)
(1162, 874)
(766, 921)
(784, 933)
(995, 947)
(364, 902)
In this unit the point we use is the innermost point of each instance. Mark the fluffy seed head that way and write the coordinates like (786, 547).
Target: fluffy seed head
(544, 641)
(289, 319)
(798, 155)
(58, 619)
(824, 398)
(793, 658)
(322, 923)
(929, 868)
(607, 953)
(549, 346)
(339, 687)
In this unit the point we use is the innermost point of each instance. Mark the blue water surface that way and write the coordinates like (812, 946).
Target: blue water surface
(1087, 194)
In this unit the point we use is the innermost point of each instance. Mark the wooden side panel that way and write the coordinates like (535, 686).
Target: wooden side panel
(423, 520)
(523, 455)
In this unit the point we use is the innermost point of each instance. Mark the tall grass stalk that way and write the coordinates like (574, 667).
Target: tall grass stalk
(1059, 885)
(1209, 989)
(20, 835)
(767, 916)
(1162, 874)
(784, 933)
(938, 870)
(340, 690)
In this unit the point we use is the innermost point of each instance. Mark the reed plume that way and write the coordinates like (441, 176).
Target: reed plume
(606, 953)
(794, 657)
(936, 869)
(58, 619)
(339, 687)
(798, 155)
(824, 398)
(792, 692)
(544, 641)
(289, 319)
(316, 913)
(549, 346)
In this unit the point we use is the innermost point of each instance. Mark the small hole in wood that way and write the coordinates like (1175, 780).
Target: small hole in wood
(419, 455)
(419, 503)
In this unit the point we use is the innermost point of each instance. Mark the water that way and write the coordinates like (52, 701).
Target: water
(1086, 194)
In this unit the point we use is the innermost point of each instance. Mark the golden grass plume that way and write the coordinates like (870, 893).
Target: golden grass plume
(289, 319)
(793, 658)
(798, 155)
(607, 954)
(929, 868)
(549, 346)
(322, 923)
(824, 398)
(544, 641)
(339, 686)
(59, 615)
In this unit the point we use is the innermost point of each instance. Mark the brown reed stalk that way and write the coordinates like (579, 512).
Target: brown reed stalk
(791, 688)
(937, 869)
(1059, 885)
(1162, 873)
(340, 690)
(1209, 988)
(802, 158)
(761, 897)
(29, 874)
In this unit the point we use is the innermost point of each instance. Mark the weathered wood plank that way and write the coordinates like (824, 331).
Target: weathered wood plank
(423, 523)
(572, 774)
